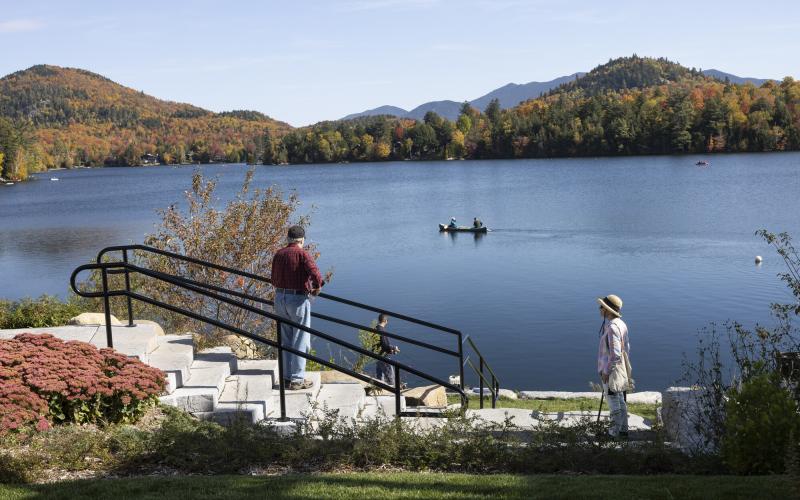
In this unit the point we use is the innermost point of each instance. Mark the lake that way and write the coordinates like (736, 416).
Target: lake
(673, 240)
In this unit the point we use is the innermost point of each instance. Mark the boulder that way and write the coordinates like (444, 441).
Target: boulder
(431, 395)
(156, 327)
(85, 319)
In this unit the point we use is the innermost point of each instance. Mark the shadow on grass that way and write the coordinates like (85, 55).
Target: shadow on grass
(410, 485)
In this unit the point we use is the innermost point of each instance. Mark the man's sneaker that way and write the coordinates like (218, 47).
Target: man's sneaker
(299, 386)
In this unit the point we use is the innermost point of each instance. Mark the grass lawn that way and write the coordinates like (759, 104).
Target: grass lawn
(410, 485)
(552, 405)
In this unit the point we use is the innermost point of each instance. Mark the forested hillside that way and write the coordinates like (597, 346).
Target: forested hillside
(631, 105)
(67, 117)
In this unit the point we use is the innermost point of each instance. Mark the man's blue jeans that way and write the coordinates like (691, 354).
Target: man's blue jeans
(298, 309)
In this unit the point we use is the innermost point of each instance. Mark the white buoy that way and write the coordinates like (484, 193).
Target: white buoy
(758, 259)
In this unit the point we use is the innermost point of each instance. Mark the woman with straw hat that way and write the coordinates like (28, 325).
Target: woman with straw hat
(613, 363)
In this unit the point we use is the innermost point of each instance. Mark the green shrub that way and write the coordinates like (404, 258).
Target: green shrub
(45, 311)
(761, 420)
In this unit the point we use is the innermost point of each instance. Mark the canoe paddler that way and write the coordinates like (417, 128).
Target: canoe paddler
(453, 222)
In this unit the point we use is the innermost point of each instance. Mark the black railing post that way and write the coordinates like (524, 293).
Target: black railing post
(496, 392)
(460, 361)
(397, 391)
(107, 308)
(481, 379)
(281, 387)
(128, 287)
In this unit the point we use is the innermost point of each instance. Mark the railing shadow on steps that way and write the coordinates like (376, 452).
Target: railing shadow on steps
(214, 291)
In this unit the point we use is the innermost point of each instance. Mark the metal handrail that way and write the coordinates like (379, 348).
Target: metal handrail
(494, 386)
(167, 253)
(127, 268)
(146, 248)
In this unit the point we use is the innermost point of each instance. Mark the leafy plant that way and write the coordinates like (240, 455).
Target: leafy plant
(45, 311)
(44, 380)
(761, 421)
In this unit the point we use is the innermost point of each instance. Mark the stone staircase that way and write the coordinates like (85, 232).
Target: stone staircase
(213, 384)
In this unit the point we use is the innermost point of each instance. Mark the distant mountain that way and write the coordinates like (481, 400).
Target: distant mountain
(509, 96)
(641, 73)
(382, 110)
(447, 109)
(512, 94)
(721, 75)
(82, 118)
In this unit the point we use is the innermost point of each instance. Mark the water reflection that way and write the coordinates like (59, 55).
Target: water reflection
(475, 237)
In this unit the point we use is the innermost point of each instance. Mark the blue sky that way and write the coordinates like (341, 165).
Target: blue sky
(304, 61)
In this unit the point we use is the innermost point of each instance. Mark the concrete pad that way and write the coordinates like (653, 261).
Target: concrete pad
(531, 420)
(174, 355)
(66, 333)
(347, 398)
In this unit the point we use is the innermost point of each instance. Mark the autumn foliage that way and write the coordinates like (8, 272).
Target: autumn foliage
(45, 380)
(77, 117)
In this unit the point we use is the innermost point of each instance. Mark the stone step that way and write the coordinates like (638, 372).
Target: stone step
(298, 403)
(207, 376)
(248, 393)
(347, 399)
(383, 406)
(174, 355)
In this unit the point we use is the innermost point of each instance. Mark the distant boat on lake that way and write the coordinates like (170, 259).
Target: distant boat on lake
(444, 228)
(54, 178)
(703, 163)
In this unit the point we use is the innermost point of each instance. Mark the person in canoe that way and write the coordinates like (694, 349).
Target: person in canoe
(477, 223)
(453, 223)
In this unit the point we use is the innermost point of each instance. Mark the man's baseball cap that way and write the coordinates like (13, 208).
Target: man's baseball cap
(296, 232)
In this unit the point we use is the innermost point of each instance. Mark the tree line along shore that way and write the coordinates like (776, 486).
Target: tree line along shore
(629, 106)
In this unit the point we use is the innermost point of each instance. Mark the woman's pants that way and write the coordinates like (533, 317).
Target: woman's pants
(619, 411)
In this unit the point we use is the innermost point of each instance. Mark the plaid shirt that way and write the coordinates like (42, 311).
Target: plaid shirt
(613, 340)
(294, 269)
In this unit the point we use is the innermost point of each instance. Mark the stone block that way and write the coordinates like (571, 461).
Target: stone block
(432, 396)
(681, 415)
(503, 393)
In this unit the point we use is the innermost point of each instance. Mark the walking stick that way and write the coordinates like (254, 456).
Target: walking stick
(602, 393)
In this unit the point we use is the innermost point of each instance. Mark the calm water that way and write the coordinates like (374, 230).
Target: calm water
(675, 241)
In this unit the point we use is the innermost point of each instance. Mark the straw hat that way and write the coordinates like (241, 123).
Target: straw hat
(612, 304)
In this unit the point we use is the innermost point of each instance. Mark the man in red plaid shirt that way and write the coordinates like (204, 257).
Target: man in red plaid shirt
(295, 277)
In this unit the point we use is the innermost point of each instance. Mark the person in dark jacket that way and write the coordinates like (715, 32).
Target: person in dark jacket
(383, 370)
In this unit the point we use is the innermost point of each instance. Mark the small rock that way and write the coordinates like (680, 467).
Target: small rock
(85, 319)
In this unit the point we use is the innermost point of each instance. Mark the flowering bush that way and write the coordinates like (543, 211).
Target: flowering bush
(44, 380)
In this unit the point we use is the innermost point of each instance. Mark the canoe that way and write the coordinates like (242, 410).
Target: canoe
(462, 229)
